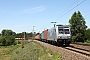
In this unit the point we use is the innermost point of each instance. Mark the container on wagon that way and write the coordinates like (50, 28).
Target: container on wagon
(45, 34)
(42, 35)
(38, 37)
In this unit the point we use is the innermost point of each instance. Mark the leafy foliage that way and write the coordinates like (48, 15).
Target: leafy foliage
(19, 35)
(87, 35)
(6, 32)
(7, 40)
(78, 27)
(7, 37)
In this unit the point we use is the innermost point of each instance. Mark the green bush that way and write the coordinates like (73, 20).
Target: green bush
(74, 38)
(3, 41)
(15, 43)
(87, 41)
(19, 42)
(7, 40)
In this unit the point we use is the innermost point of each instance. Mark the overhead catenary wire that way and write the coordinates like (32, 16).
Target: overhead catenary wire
(71, 9)
(40, 28)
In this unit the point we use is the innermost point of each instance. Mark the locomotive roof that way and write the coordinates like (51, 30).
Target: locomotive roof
(62, 25)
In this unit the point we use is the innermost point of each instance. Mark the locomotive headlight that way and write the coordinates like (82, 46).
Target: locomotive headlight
(59, 37)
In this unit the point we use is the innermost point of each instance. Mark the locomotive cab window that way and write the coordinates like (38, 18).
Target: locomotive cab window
(66, 31)
(60, 31)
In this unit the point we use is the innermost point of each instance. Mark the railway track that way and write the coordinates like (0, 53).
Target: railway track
(81, 46)
(72, 52)
(79, 50)
(83, 49)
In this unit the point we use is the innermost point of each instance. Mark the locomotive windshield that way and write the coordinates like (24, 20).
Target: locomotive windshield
(63, 30)
(60, 31)
(66, 31)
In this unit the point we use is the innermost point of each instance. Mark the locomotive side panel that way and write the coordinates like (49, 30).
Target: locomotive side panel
(51, 34)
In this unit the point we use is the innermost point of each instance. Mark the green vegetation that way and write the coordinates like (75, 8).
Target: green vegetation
(87, 35)
(33, 51)
(6, 51)
(87, 42)
(7, 40)
(79, 30)
(78, 27)
(19, 35)
(6, 32)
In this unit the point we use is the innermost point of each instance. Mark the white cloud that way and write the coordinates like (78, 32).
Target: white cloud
(32, 10)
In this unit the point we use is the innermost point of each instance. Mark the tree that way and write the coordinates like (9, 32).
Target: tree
(78, 27)
(7, 32)
(7, 37)
(30, 34)
(0, 34)
(7, 40)
(3, 32)
(87, 34)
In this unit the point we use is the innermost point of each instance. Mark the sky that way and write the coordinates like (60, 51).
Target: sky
(22, 15)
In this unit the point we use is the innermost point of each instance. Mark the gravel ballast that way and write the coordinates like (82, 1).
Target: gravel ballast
(66, 54)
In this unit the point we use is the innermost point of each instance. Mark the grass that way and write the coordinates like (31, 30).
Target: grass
(33, 51)
(30, 51)
(5, 51)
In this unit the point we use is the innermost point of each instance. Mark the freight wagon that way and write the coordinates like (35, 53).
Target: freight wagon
(45, 35)
(42, 36)
(38, 37)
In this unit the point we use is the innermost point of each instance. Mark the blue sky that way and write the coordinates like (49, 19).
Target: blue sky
(22, 15)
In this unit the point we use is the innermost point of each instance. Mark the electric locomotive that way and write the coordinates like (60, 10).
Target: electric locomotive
(61, 34)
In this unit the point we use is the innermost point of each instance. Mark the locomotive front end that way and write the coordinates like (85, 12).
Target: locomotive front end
(63, 34)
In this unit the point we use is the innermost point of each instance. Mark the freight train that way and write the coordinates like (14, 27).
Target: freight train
(60, 34)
